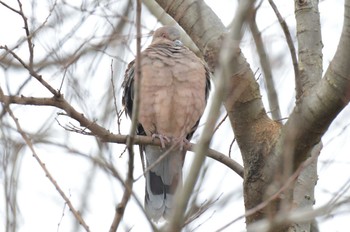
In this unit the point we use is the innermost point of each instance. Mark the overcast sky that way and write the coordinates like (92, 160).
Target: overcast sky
(41, 207)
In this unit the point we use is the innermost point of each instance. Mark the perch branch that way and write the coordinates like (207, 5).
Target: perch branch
(105, 135)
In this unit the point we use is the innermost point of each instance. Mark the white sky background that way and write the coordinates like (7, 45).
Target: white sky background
(41, 207)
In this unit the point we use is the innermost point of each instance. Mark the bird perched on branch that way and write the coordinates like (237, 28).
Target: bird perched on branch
(174, 88)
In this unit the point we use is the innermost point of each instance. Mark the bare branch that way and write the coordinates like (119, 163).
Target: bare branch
(196, 212)
(105, 135)
(266, 68)
(29, 39)
(302, 215)
(9, 7)
(134, 122)
(314, 113)
(290, 45)
(310, 45)
(231, 145)
(47, 173)
(220, 123)
(118, 112)
(31, 71)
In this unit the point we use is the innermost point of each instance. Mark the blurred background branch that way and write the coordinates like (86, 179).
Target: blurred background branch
(71, 56)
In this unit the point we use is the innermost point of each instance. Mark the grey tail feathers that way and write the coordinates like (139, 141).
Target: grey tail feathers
(162, 181)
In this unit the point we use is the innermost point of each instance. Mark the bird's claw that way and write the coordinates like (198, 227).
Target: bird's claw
(162, 139)
(183, 142)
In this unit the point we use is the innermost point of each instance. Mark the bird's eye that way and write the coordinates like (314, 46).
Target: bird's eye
(178, 43)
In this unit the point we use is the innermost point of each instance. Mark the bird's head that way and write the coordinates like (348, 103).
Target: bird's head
(166, 34)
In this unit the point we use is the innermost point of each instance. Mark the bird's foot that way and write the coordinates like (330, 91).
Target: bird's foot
(162, 139)
(183, 142)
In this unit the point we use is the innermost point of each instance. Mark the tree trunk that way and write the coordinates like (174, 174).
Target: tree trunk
(273, 153)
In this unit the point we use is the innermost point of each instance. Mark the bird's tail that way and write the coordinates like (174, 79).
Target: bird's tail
(162, 181)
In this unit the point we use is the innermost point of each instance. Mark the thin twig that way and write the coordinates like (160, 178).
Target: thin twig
(126, 195)
(62, 216)
(47, 173)
(220, 123)
(266, 67)
(109, 169)
(160, 158)
(134, 122)
(231, 145)
(137, 78)
(289, 42)
(118, 113)
(29, 39)
(9, 7)
(201, 209)
(32, 72)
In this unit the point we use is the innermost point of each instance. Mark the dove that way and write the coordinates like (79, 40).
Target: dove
(174, 89)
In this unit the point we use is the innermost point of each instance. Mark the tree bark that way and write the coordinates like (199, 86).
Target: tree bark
(265, 145)
(310, 45)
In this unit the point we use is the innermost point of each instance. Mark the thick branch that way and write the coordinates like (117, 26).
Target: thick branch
(316, 111)
(316, 108)
(309, 45)
(310, 71)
